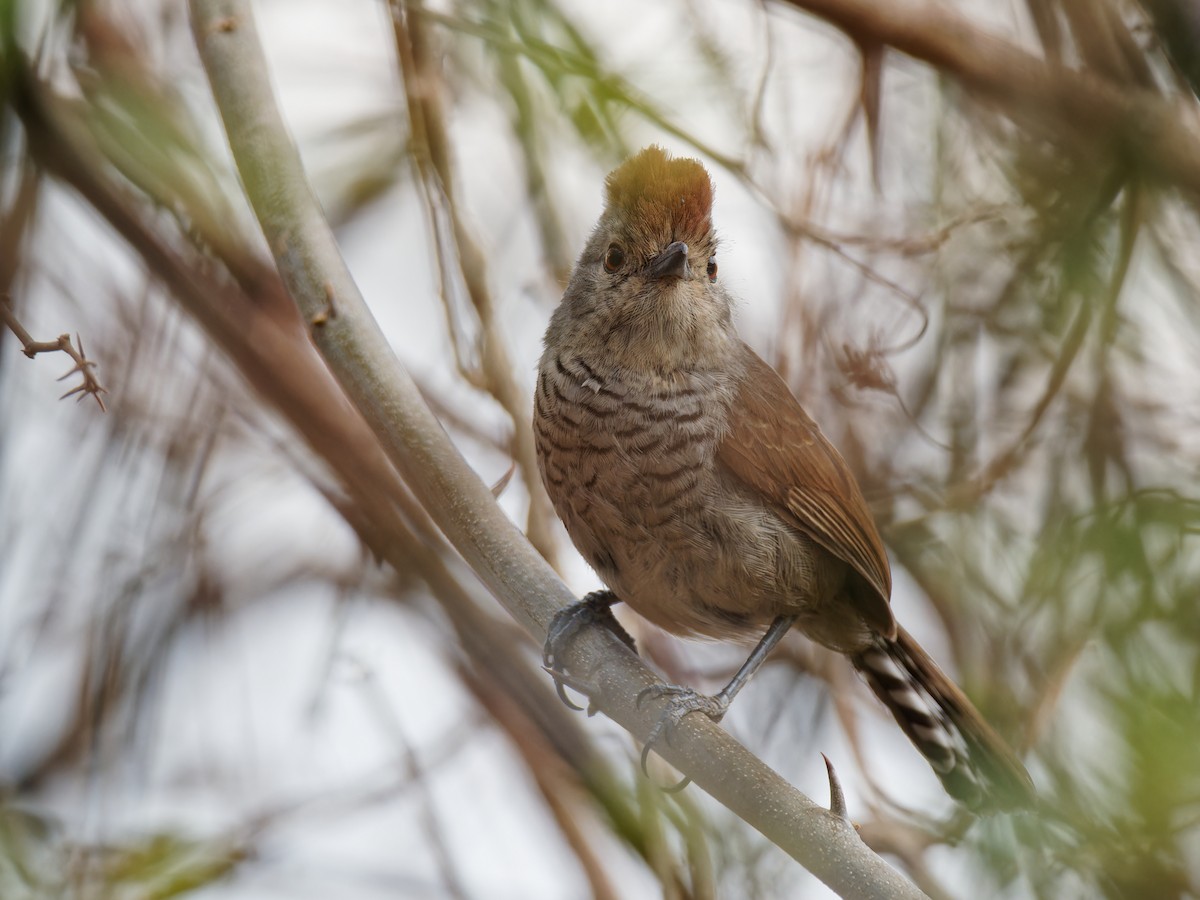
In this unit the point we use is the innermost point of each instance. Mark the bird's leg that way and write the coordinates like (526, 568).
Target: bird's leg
(594, 609)
(684, 700)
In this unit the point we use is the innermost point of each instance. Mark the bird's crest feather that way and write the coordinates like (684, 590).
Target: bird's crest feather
(660, 195)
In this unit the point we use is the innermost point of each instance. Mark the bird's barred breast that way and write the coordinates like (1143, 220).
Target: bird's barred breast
(631, 469)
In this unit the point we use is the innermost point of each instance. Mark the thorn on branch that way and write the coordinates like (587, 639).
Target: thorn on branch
(83, 366)
(499, 486)
(837, 798)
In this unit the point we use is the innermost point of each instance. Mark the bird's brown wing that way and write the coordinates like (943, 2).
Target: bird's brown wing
(773, 446)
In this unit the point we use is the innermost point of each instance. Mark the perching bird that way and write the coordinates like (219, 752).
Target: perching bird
(701, 492)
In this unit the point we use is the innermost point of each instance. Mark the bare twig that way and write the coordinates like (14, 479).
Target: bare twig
(83, 366)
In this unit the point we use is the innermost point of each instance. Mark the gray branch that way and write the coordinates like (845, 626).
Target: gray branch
(360, 358)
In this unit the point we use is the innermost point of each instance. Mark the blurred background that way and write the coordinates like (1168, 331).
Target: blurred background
(238, 661)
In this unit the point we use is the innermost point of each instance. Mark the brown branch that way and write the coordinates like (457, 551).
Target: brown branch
(260, 331)
(31, 348)
(1156, 133)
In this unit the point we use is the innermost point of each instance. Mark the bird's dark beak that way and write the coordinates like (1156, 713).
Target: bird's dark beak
(671, 263)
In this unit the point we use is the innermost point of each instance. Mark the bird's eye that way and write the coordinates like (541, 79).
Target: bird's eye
(712, 268)
(613, 259)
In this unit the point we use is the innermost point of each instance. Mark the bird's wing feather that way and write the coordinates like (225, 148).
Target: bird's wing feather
(773, 446)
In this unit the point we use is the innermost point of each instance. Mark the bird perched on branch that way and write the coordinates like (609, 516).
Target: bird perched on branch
(701, 492)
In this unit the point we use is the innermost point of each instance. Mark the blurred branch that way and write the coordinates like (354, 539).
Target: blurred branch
(415, 772)
(83, 366)
(17, 217)
(1177, 23)
(555, 782)
(1139, 125)
(361, 359)
(527, 128)
(1087, 309)
(431, 150)
(259, 330)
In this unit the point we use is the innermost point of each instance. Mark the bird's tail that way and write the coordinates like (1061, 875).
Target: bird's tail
(974, 764)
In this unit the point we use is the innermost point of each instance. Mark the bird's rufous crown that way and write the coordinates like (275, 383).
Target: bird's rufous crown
(657, 194)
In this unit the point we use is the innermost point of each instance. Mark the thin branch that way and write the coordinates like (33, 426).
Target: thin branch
(31, 348)
(359, 356)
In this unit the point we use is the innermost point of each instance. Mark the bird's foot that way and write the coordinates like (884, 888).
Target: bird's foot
(594, 609)
(683, 701)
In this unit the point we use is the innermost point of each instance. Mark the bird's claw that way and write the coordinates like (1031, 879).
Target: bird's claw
(594, 609)
(560, 687)
(683, 701)
(564, 680)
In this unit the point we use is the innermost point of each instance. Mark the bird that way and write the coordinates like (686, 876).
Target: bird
(704, 496)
